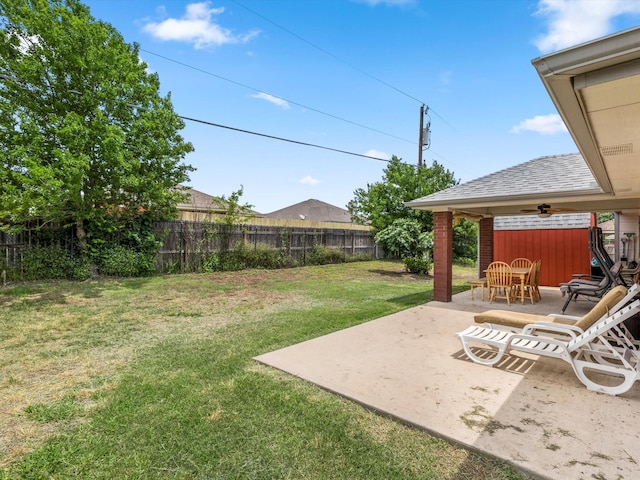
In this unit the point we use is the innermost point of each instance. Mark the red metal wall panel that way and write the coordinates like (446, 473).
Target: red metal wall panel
(563, 251)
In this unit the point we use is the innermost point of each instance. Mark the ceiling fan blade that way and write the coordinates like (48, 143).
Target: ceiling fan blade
(561, 209)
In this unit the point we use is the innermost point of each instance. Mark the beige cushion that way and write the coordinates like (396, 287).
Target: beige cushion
(520, 320)
(601, 308)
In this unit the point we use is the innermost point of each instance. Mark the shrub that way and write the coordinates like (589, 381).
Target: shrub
(211, 263)
(419, 265)
(260, 256)
(364, 257)
(320, 255)
(121, 261)
(228, 261)
(52, 262)
(243, 256)
(465, 262)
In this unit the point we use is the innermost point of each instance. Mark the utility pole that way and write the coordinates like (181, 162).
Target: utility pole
(424, 137)
(420, 136)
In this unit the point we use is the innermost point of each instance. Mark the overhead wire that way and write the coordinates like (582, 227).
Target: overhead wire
(205, 122)
(240, 84)
(326, 52)
(275, 96)
(335, 57)
(282, 139)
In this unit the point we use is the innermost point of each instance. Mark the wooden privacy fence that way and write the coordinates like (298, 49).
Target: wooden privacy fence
(13, 244)
(186, 244)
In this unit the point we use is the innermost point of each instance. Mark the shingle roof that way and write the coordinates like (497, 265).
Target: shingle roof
(312, 210)
(545, 175)
(203, 202)
(197, 200)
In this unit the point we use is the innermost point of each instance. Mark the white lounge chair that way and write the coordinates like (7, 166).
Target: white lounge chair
(600, 349)
(611, 302)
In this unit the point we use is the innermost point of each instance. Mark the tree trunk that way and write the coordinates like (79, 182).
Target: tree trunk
(81, 236)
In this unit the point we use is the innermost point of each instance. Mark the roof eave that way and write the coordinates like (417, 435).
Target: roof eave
(557, 72)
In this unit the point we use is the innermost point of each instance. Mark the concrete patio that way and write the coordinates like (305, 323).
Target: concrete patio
(532, 413)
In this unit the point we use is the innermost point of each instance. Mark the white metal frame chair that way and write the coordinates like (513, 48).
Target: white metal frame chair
(611, 302)
(601, 349)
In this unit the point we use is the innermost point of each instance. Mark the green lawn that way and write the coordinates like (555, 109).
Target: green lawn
(154, 378)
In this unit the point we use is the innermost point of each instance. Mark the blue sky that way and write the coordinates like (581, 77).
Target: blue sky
(351, 75)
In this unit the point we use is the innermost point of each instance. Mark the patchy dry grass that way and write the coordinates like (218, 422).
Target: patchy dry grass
(153, 378)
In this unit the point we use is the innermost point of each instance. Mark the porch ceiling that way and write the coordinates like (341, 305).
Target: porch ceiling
(596, 89)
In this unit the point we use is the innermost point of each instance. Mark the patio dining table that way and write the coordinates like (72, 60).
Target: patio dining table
(521, 273)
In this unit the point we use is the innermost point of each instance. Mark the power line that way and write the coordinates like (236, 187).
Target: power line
(326, 52)
(282, 139)
(205, 122)
(275, 96)
(335, 57)
(241, 130)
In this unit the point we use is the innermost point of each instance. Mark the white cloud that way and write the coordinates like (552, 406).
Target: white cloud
(445, 77)
(196, 27)
(571, 22)
(309, 180)
(544, 124)
(377, 154)
(271, 99)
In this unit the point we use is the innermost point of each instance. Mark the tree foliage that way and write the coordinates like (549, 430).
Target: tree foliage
(381, 203)
(85, 135)
(406, 239)
(235, 212)
(465, 241)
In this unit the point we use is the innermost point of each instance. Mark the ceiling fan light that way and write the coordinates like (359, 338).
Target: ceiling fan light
(544, 214)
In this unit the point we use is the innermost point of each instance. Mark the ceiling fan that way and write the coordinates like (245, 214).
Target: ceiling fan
(544, 210)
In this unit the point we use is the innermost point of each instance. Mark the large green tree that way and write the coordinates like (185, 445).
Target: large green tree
(381, 203)
(85, 135)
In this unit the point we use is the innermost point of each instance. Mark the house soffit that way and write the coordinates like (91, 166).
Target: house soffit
(596, 89)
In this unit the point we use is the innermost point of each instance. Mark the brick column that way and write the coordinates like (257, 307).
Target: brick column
(485, 245)
(442, 256)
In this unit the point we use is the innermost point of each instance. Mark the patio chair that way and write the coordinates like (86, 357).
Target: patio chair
(520, 262)
(500, 281)
(588, 352)
(535, 280)
(577, 288)
(531, 281)
(587, 279)
(613, 301)
(631, 272)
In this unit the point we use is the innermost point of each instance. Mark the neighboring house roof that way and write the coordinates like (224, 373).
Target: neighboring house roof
(553, 175)
(202, 202)
(312, 210)
(532, 222)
